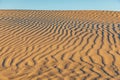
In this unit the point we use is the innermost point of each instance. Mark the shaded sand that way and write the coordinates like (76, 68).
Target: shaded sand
(59, 45)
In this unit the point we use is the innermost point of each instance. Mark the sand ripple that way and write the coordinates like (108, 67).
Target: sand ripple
(59, 45)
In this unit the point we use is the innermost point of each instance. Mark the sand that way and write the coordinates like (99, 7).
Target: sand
(59, 45)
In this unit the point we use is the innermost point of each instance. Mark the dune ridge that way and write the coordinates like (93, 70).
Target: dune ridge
(59, 45)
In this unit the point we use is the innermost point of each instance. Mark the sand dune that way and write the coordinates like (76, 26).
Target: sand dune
(59, 45)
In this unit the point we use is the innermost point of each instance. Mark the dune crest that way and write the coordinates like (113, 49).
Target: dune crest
(59, 45)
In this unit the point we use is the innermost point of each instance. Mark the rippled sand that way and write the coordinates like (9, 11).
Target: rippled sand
(59, 45)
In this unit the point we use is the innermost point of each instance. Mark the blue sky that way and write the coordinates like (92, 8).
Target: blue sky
(61, 4)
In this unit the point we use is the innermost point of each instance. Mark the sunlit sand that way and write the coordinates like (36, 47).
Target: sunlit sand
(59, 45)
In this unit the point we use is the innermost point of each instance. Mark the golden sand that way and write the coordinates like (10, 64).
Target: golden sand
(59, 45)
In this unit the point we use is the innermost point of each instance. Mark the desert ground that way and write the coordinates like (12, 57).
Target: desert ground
(59, 45)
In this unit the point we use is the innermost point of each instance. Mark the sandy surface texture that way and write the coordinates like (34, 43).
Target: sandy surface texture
(59, 45)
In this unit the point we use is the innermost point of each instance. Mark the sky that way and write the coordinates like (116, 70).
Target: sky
(61, 4)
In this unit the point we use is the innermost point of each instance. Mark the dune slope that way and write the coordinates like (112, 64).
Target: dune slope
(59, 45)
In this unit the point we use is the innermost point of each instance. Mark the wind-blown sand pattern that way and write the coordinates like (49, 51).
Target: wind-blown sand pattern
(59, 45)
